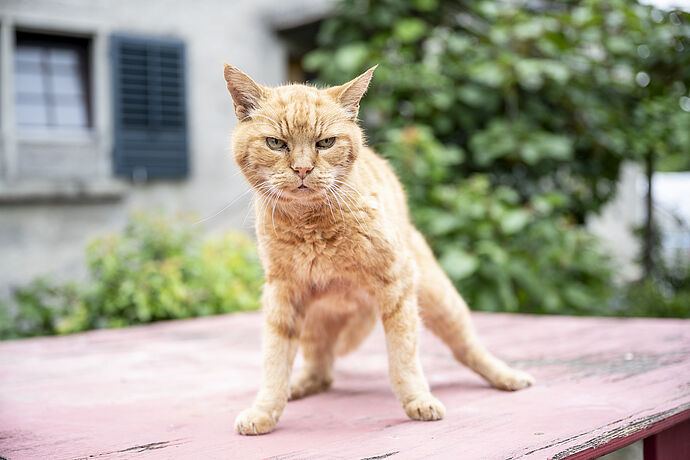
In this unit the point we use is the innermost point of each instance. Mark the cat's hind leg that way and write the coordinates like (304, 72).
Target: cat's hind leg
(357, 327)
(318, 342)
(445, 313)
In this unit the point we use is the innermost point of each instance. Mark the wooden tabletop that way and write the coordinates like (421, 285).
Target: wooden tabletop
(172, 390)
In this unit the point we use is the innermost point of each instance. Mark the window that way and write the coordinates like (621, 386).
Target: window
(149, 105)
(51, 82)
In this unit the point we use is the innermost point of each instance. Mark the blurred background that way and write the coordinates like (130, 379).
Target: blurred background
(544, 146)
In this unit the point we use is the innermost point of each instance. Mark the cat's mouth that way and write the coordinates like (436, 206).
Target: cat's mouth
(302, 187)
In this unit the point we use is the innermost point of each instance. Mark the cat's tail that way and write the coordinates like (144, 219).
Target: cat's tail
(443, 310)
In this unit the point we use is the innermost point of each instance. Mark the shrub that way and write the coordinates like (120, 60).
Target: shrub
(652, 298)
(501, 253)
(508, 123)
(153, 271)
(665, 292)
(541, 96)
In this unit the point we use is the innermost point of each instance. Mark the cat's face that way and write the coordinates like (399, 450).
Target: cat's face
(295, 141)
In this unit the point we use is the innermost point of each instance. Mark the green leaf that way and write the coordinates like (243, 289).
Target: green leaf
(488, 73)
(351, 58)
(425, 5)
(409, 30)
(459, 264)
(514, 221)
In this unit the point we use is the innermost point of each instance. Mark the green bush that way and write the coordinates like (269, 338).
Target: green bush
(651, 298)
(502, 254)
(540, 96)
(508, 123)
(153, 271)
(38, 309)
(665, 292)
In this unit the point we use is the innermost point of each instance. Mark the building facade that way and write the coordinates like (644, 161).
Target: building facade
(109, 107)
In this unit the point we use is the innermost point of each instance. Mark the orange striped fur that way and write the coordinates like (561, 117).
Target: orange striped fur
(340, 252)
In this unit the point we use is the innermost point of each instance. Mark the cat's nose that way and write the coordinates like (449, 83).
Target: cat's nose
(302, 171)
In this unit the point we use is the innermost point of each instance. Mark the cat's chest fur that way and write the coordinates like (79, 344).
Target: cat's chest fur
(319, 254)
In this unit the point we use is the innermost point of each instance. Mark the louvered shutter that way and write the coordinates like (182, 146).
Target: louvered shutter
(150, 137)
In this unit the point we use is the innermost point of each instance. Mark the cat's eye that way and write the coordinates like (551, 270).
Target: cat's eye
(275, 144)
(325, 143)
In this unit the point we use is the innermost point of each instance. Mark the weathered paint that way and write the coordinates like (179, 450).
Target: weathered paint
(173, 389)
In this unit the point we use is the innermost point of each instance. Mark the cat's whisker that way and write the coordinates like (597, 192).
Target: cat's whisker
(235, 174)
(353, 198)
(258, 201)
(250, 208)
(252, 115)
(273, 112)
(339, 173)
(362, 226)
(263, 196)
(271, 195)
(351, 211)
(274, 210)
(349, 185)
(233, 201)
(342, 215)
(328, 200)
(354, 203)
(263, 188)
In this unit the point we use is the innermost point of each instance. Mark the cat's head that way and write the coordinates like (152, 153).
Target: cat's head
(296, 139)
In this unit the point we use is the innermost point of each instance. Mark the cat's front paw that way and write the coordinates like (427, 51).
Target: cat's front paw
(254, 421)
(513, 380)
(425, 407)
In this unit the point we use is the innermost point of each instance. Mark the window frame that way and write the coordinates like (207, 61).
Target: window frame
(95, 139)
(177, 170)
(83, 47)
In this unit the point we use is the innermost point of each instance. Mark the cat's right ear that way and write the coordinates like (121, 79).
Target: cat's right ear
(349, 94)
(245, 93)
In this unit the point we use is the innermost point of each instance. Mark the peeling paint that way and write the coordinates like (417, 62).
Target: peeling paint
(137, 449)
(629, 364)
(378, 457)
(625, 431)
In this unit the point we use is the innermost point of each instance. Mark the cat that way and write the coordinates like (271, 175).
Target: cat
(339, 252)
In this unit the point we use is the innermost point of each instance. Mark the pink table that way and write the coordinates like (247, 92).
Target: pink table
(172, 390)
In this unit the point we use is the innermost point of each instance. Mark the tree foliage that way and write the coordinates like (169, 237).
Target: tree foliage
(541, 96)
(503, 254)
(508, 123)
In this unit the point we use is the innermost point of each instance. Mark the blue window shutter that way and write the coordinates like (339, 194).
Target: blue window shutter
(150, 120)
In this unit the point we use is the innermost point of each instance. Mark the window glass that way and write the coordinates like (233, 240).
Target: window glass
(51, 81)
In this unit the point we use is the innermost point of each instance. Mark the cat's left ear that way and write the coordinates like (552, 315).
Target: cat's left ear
(245, 93)
(349, 94)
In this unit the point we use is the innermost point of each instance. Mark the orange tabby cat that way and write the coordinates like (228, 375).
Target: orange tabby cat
(339, 252)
